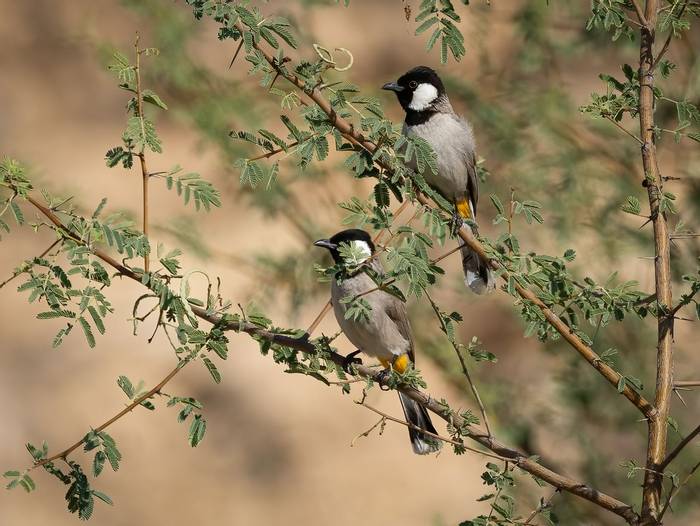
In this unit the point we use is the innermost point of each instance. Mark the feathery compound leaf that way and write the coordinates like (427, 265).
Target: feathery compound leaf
(98, 463)
(89, 336)
(381, 194)
(122, 67)
(103, 497)
(55, 314)
(152, 97)
(142, 134)
(125, 384)
(632, 206)
(118, 154)
(251, 173)
(191, 186)
(110, 449)
(213, 371)
(198, 427)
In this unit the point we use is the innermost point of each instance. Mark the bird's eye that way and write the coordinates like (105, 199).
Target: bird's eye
(413, 84)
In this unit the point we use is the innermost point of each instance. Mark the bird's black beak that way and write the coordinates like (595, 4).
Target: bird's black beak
(325, 243)
(393, 86)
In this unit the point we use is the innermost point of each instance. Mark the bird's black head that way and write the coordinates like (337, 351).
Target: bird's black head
(354, 236)
(418, 89)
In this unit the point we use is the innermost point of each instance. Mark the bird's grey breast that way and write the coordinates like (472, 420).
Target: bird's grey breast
(452, 140)
(379, 335)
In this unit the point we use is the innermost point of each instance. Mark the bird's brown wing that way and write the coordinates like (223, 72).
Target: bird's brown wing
(396, 311)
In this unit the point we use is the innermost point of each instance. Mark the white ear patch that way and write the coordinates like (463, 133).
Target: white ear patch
(423, 96)
(364, 248)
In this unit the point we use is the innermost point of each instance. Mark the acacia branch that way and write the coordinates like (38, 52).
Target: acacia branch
(658, 423)
(443, 411)
(351, 133)
(137, 401)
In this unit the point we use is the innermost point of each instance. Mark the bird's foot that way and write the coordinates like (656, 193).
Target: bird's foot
(383, 376)
(350, 360)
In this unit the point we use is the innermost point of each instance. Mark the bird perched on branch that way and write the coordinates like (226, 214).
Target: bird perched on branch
(385, 333)
(429, 115)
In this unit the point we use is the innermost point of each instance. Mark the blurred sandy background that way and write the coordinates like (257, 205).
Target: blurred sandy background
(277, 448)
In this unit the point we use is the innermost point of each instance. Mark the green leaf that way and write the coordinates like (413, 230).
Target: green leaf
(632, 206)
(17, 213)
(60, 313)
(427, 24)
(89, 336)
(213, 371)
(381, 194)
(96, 319)
(98, 463)
(103, 497)
(251, 173)
(152, 97)
(497, 203)
(197, 429)
(125, 384)
(142, 133)
(621, 384)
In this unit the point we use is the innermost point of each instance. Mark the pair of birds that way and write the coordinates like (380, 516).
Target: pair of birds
(386, 335)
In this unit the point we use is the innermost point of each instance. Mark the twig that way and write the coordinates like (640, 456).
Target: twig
(142, 155)
(686, 383)
(63, 454)
(269, 154)
(640, 13)
(426, 432)
(673, 454)
(23, 268)
(676, 489)
(623, 129)
(495, 498)
(319, 317)
(465, 370)
(382, 423)
(544, 504)
(664, 48)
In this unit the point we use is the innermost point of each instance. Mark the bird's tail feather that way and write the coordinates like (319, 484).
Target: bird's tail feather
(477, 274)
(417, 415)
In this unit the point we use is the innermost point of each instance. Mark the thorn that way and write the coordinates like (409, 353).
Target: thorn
(236, 54)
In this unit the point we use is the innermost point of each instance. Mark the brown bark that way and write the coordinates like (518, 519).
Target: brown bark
(658, 423)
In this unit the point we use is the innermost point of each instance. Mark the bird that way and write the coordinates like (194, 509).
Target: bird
(386, 333)
(429, 115)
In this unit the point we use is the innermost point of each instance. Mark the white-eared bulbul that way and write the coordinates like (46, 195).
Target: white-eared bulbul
(429, 115)
(386, 335)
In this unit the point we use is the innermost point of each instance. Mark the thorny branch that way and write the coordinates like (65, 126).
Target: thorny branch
(439, 408)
